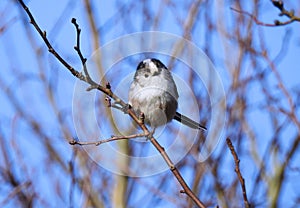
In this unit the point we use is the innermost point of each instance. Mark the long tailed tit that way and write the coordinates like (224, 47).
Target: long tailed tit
(154, 93)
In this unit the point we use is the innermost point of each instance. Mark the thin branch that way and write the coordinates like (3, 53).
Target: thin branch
(283, 12)
(113, 138)
(43, 34)
(238, 172)
(82, 58)
(74, 72)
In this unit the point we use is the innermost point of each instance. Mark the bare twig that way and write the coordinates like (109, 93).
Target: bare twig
(253, 17)
(283, 12)
(238, 171)
(107, 91)
(82, 58)
(43, 34)
(77, 74)
(113, 138)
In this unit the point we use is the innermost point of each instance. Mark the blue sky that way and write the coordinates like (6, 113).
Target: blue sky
(20, 70)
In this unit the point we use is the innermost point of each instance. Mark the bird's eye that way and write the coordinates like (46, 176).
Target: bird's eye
(146, 75)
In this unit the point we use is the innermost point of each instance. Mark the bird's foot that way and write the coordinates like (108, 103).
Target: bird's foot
(150, 134)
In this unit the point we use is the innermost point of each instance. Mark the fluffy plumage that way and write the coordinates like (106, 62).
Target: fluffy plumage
(154, 93)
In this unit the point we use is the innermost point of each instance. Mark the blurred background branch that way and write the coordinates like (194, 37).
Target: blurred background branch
(259, 69)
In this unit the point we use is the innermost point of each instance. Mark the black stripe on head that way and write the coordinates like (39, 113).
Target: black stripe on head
(158, 63)
(141, 65)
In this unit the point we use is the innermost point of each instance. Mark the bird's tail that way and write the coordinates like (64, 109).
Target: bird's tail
(189, 122)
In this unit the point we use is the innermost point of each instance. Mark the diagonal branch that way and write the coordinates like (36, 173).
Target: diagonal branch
(106, 90)
(43, 34)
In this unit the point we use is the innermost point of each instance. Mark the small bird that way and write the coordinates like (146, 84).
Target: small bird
(153, 92)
